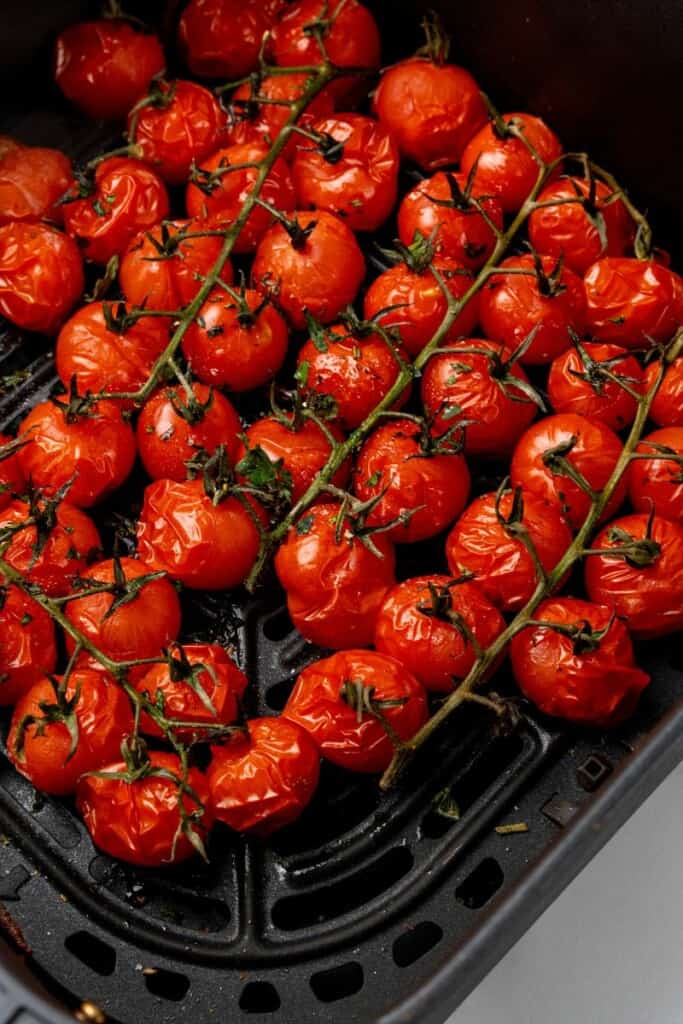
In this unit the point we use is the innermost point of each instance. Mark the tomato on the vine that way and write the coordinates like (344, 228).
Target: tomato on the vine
(12, 481)
(355, 704)
(259, 110)
(667, 408)
(580, 666)
(28, 645)
(32, 180)
(657, 481)
(633, 303)
(263, 780)
(41, 276)
(222, 38)
(581, 381)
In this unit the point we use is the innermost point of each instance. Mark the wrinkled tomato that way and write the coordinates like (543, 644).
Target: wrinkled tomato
(41, 276)
(633, 303)
(222, 38)
(580, 382)
(12, 482)
(260, 115)
(28, 646)
(667, 408)
(32, 180)
(657, 481)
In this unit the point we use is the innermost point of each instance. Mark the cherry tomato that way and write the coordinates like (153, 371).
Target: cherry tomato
(162, 269)
(41, 276)
(238, 343)
(318, 267)
(439, 208)
(353, 172)
(137, 618)
(633, 303)
(355, 370)
(180, 125)
(206, 546)
(539, 463)
(222, 38)
(342, 702)
(301, 444)
(547, 300)
(582, 231)
(199, 684)
(28, 647)
(103, 352)
(430, 108)
(416, 483)
(12, 482)
(643, 580)
(105, 66)
(32, 180)
(263, 781)
(427, 623)
(56, 545)
(504, 166)
(478, 383)
(657, 482)
(217, 193)
(334, 586)
(95, 449)
(174, 427)
(582, 670)
(137, 819)
(128, 197)
(56, 737)
(260, 116)
(578, 382)
(486, 541)
(667, 408)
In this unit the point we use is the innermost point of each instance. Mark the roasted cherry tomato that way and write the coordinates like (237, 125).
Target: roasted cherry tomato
(237, 342)
(93, 449)
(162, 268)
(12, 482)
(301, 445)
(556, 444)
(335, 582)
(103, 351)
(486, 541)
(430, 108)
(580, 381)
(580, 666)
(260, 116)
(137, 818)
(667, 407)
(581, 231)
(356, 369)
(222, 38)
(546, 302)
(631, 302)
(138, 617)
(41, 276)
(263, 780)
(504, 166)
(431, 625)
(206, 542)
(217, 193)
(476, 381)
(198, 683)
(127, 197)
(440, 208)
(105, 66)
(420, 486)
(60, 732)
(351, 171)
(32, 180)
(54, 547)
(355, 704)
(657, 482)
(28, 648)
(639, 572)
(173, 428)
(179, 124)
(314, 263)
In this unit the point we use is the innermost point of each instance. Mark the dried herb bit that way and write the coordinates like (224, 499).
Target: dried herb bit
(304, 525)
(512, 829)
(445, 805)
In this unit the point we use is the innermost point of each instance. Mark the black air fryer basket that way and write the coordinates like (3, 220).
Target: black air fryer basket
(371, 909)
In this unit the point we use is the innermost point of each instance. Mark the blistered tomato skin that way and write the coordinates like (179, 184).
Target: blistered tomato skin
(32, 180)
(264, 780)
(28, 644)
(316, 703)
(221, 38)
(41, 276)
(12, 481)
(253, 122)
(432, 110)
(580, 385)
(417, 625)
(633, 303)
(595, 687)
(667, 407)
(657, 482)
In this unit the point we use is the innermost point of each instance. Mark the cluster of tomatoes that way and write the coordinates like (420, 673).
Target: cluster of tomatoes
(575, 323)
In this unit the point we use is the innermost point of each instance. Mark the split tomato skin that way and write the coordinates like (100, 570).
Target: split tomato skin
(667, 407)
(28, 644)
(316, 703)
(657, 483)
(12, 480)
(334, 589)
(263, 781)
(630, 302)
(434, 649)
(574, 386)
(32, 180)
(139, 822)
(41, 276)
(431, 109)
(597, 687)
(221, 38)
(429, 490)
(262, 122)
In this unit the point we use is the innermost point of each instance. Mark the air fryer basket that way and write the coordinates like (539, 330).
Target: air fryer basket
(372, 908)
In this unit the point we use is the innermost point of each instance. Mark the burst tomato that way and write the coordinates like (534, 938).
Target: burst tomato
(578, 382)
(12, 482)
(222, 38)
(41, 276)
(633, 303)
(264, 780)
(667, 407)
(28, 647)
(657, 482)
(32, 180)
(259, 116)
(343, 701)
(580, 666)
